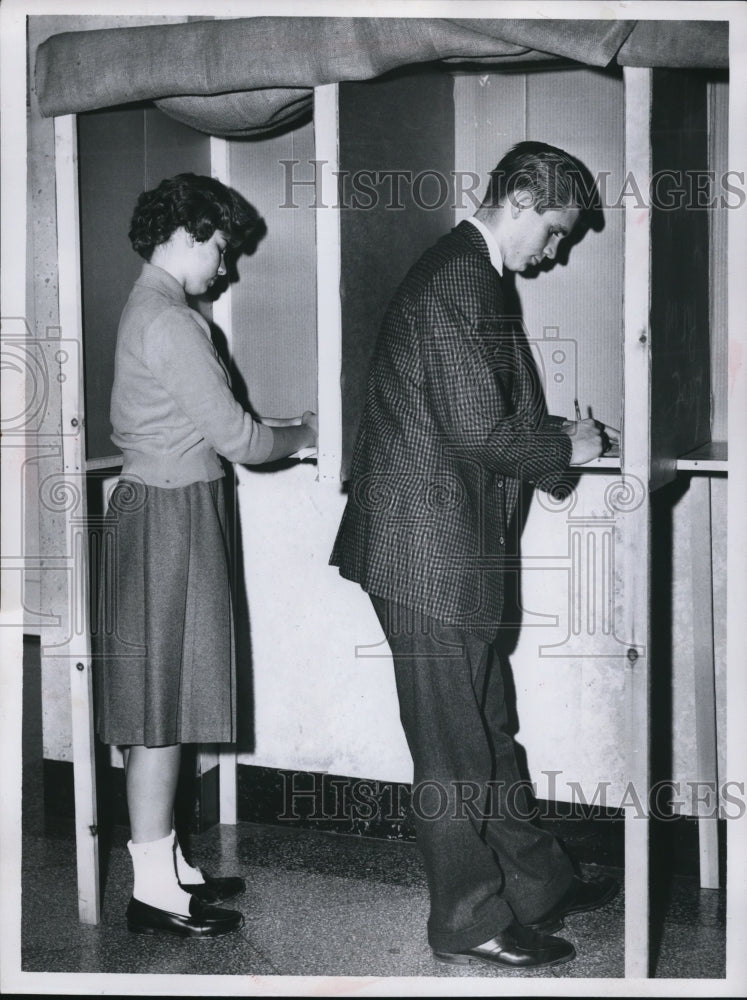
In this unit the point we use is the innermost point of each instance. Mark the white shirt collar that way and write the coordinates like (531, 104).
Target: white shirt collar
(495, 254)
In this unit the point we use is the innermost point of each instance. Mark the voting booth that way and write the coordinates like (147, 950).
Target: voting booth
(357, 168)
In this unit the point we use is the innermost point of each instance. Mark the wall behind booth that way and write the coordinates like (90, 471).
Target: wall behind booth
(273, 302)
(397, 195)
(122, 152)
(578, 302)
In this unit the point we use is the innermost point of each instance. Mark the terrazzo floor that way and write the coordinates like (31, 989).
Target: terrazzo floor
(319, 905)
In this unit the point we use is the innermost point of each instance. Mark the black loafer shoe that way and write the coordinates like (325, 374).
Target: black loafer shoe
(515, 947)
(203, 921)
(214, 890)
(581, 896)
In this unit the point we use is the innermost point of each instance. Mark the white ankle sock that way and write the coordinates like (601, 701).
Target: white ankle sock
(155, 876)
(186, 874)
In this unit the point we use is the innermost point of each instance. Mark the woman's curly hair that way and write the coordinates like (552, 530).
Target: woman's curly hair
(198, 204)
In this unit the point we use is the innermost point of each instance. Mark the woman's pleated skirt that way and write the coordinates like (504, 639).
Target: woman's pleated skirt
(165, 663)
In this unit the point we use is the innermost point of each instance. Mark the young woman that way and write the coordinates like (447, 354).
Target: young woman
(166, 658)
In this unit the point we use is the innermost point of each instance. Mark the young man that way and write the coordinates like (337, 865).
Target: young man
(455, 419)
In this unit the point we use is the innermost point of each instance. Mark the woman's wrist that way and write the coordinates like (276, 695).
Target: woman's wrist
(310, 424)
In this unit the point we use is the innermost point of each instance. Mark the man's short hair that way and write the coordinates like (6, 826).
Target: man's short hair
(554, 178)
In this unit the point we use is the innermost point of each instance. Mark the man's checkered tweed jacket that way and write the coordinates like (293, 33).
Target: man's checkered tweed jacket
(455, 417)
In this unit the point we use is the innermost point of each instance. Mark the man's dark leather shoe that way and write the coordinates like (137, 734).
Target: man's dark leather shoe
(581, 896)
(214, 890)
(515, 947)
(203, 920)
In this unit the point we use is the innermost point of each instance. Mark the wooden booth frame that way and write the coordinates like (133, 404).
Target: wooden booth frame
(635, 523)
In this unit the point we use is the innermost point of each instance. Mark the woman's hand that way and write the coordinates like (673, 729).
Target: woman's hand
(292, 435)
(311, 422)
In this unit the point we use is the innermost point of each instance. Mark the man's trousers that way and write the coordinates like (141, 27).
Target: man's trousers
(486, 862)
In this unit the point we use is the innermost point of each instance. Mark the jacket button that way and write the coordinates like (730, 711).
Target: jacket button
(502, 540)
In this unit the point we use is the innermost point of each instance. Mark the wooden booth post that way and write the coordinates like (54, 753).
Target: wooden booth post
(77, 649)
(328, 272)
(635, 523)
(223, 317)
(666, 428)
(684, 337)
(705, 689)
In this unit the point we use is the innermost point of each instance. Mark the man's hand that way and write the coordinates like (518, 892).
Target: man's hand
(589, 439)
(610, 438)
